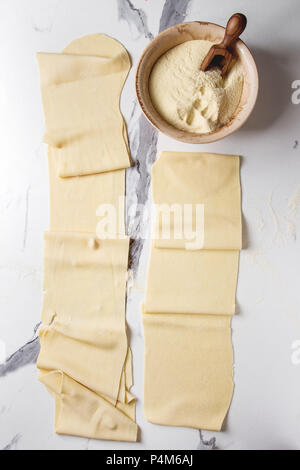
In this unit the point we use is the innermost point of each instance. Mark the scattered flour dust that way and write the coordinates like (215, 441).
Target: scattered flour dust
(294, 203)
(260, 222)
(289, 231)
(275, 218)
(130, 280)
(258, 259)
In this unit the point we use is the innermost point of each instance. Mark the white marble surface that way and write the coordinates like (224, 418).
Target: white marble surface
(265, 413)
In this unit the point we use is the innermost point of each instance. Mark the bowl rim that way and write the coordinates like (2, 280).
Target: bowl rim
(182, 135)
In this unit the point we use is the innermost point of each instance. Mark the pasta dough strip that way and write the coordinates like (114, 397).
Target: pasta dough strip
(85, 362)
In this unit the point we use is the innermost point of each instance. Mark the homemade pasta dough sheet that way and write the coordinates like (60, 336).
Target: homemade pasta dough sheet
(85, 362)
(84, 310)
(81, 96)
(81, 412)
(74, 202)
(183, 281)
(190, 296)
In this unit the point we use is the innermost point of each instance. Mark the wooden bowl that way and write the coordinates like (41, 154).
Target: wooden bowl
(173, 37)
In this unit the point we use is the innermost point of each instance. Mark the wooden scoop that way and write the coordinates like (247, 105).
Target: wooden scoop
(220, 55)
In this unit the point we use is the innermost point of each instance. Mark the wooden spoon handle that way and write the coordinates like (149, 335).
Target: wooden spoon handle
(235, 26)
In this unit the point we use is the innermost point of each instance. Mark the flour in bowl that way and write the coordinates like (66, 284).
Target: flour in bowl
(192, 100)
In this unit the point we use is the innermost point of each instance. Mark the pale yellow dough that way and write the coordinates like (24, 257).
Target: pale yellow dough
(74, 201)
(190, 295)
(85, 297)
(188, 364)
(201, 178)
(181, 281)
(81, 412)
(190, 99)
(85, 362)
(81, 97)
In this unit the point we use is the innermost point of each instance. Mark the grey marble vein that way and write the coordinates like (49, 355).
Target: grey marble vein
(143, 145)
(27, 354)
(295, 144)
(13, 443)
(174, 12)
(206, 445)
(146, 155)
(132, 15)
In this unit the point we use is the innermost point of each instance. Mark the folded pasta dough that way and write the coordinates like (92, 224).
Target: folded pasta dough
(197, 282)
(98, 267)
(181, 178)
(84, 292)
(190, 294)
(81, 97)
(81, 412)
(188, 364)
